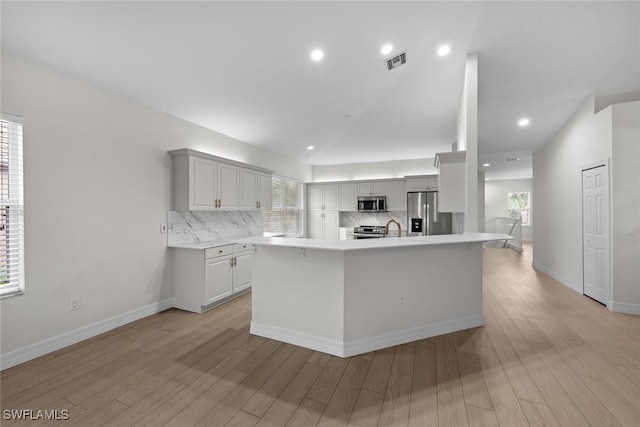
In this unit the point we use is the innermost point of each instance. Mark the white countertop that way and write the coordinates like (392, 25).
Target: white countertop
(221, 242)
(387, 242)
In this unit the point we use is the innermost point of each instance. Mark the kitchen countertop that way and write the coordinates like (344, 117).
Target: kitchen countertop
(221, 242)
(387, 242)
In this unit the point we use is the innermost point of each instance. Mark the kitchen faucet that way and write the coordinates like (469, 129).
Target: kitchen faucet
(386, 228)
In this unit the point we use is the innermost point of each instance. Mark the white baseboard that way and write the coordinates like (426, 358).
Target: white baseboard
(24, 354)
(624, 307)
(559, 277)
(352, 348)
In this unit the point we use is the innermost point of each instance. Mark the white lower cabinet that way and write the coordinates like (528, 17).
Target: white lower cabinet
(203, 279)
(218, 278)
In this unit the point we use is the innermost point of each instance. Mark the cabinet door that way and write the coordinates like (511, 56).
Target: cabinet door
(218, 278)
(432, 184)
(202, 185)
(348, 198)
(331, 231)
(228, 186)
(314, 224)
(396, 196)
(330, 196)
(248, 189)
(314, 196)
(265, 195)
(242, 272)
(364, 189)
(416, 184)
(377, 188)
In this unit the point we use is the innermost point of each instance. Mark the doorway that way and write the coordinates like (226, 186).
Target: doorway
(595, 232)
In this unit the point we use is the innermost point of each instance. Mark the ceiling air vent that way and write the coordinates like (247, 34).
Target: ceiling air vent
(397, 61)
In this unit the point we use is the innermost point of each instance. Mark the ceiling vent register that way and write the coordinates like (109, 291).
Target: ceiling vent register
(397, 61)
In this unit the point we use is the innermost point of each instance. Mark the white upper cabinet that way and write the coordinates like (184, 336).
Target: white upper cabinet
(265, 197)
(348, 197)
(396, 195)
(371, 189)
(205, 182)
(202, 176)
(322, 196)
(422, 183)
(452, 193)
(255, 190)
(248, 189)
(228, 186)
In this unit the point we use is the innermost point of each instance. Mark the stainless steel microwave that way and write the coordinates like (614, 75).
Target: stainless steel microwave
(372, 203)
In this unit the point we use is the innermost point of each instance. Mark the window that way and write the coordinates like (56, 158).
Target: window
(518, 206)
(11, 207)
(287, 211)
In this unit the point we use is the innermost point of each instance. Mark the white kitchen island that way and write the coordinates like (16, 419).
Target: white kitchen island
(351, 297)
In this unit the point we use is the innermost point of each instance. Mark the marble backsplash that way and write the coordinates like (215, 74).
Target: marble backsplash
(204, 226)
(354, 219)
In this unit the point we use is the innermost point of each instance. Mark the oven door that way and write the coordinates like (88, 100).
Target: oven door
(358, 236)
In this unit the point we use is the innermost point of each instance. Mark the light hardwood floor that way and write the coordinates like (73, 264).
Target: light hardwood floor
(546, 356)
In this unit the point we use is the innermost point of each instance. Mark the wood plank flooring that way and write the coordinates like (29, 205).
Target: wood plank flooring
(546, 356)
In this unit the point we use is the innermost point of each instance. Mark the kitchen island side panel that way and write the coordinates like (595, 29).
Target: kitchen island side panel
(298, 296)
(412, 292)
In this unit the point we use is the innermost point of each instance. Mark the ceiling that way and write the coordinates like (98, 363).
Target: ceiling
(244, 68)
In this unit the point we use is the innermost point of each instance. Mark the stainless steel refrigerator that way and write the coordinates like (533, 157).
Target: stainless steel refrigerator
(423, 218)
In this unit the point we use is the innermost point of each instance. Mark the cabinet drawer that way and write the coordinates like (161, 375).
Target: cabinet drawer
(218, 251)
(241, 247)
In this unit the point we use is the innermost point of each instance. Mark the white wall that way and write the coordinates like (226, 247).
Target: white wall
(557, 186)
(625, 174)
(495, 200)
(373, 170)
(97, 188)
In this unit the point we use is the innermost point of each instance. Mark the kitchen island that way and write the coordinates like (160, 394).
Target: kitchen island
(351, 297)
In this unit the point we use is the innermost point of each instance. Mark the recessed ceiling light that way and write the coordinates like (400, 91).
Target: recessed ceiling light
(444, 50)
(311, 147)
(486, 179)
(523, 122)
(386, 49)
(486, 165)
(317, 55)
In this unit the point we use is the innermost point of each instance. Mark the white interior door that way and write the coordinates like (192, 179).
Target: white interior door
(595, 229)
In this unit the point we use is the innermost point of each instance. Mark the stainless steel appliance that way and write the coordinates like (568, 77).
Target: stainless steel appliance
(368, 232)
(372, 203)
(423, 218)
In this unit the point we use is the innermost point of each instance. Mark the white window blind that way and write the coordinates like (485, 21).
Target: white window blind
(11, 207)
(287, 211)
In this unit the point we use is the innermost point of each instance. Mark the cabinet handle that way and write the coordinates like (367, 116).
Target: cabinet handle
(259, 204)
(220, 251)
(231, 262)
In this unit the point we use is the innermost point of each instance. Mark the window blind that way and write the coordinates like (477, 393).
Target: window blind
(11, 207)
(286, 214)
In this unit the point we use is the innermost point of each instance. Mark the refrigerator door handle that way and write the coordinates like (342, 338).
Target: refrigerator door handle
(426, 218)
(435, 203)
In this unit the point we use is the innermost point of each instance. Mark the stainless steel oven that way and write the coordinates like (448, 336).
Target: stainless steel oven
(372, 203)
(368, 232)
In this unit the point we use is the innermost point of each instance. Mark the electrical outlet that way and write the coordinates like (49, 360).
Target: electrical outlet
(74, 304)
(163, 229)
